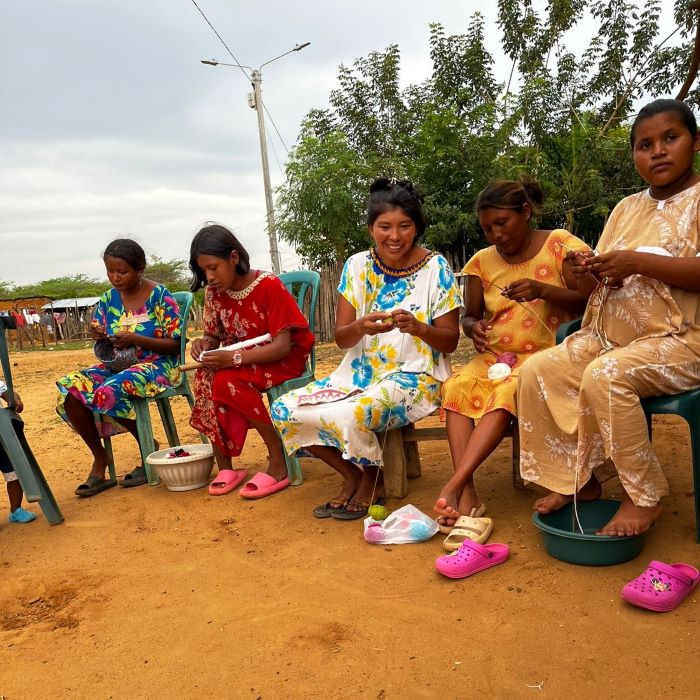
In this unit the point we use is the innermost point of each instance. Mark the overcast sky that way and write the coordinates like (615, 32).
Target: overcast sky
(110, 125)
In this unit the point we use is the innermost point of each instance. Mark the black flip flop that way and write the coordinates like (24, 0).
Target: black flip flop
(326, 510)
(136, 477)
(94, 485)
(345, 514)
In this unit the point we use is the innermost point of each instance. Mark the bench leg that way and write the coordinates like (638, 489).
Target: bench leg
(395, 479)
(413, 468)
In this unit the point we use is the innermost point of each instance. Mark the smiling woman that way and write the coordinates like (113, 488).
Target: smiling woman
(397, 316)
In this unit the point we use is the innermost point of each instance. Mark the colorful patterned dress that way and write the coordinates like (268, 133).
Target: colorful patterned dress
(108, 394)
(228, 399)
(384, 381)
(523, 328)
(580, 402)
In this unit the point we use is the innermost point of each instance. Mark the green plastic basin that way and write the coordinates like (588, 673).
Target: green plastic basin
(563, 539)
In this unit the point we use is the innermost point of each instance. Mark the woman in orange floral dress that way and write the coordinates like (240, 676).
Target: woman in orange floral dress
(518, 291)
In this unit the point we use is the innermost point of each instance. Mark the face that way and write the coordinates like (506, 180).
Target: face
(121, 275)
(220, 273)
(663, 153)
(507, 229)
(394, 233)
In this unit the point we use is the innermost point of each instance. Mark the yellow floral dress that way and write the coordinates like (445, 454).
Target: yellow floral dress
(384, 381)
(522, 328)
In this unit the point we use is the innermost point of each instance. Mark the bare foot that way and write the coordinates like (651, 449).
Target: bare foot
(99, 464)
(556, 501)
(276, 466)
(630, 519)
(371, 487)
(469, 502)
(447, 514)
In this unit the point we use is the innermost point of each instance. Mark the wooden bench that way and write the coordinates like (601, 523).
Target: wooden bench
(402, 459)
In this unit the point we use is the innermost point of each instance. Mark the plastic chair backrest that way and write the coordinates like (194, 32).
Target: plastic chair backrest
(184, 301)
(304, 281)
(5, 362)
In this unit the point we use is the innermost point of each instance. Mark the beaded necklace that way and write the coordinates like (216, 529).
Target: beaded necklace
(399, 271)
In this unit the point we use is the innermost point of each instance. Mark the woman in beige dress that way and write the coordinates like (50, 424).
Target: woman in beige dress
(581, 417)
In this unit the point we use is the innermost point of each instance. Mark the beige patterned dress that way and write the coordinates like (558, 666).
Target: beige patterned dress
(579, 403)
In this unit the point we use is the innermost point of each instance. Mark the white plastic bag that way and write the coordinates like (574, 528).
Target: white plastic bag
(405, 525)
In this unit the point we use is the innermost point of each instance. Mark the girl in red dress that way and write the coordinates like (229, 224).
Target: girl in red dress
(240, 304)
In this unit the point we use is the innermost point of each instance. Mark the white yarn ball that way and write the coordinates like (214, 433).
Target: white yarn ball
(499, 370)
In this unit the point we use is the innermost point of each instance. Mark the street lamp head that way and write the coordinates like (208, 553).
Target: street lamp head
(299, 47)
(212, 62)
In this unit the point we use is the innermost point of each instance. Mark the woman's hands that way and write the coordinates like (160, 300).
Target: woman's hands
(97, 331)
(614, 267)
(124, 339)
(376, 322)
(406, 322)
(218, 359)
(200, 345)
(523, 290)
(479, 333)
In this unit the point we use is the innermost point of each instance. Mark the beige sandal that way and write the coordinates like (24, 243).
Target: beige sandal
(446, 529)
(468, 528)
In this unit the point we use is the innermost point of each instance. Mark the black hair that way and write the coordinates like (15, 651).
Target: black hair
(127, 250)
(678, 107)
(216, 240)
(511, 194)
(386, 194)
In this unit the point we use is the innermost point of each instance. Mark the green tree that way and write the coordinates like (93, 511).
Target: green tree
(174, 274)
(79, 285)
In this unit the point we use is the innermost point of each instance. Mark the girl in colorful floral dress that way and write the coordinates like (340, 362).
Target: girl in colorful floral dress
(136, 313)
(397, 316)
(519, 290)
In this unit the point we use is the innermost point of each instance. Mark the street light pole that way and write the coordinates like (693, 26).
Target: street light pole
(256, 77)
(258, 106)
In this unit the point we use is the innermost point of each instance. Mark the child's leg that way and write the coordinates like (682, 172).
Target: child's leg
(487, 435)
(83, 421)
(14, 494)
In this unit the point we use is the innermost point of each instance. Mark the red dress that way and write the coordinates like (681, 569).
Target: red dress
(228, 399)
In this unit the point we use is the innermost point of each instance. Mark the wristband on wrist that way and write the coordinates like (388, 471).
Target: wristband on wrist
(237, 358)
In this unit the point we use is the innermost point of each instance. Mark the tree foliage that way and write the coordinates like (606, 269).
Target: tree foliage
(559, 117)
(174, 274)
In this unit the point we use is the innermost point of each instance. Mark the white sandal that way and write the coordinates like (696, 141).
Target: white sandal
(468, 528)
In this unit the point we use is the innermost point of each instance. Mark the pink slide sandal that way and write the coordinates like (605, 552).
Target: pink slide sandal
(226, 480)
(262, 485)
(661, 587)
(471, 558)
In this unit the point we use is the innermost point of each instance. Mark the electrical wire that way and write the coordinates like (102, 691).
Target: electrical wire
(225, 45)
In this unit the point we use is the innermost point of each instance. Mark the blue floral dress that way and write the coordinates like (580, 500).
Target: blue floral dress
(108, 394)
(384, 381)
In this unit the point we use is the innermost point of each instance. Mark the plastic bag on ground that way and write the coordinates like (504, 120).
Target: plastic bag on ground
(403, 526)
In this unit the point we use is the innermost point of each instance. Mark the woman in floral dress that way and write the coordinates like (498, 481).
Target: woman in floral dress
(397, 316)
(98, 402)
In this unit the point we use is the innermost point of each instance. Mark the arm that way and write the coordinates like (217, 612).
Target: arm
(442, 334)
(277, 349)
(616, 265)
(349, 329)
(19, 405)
(473, 323)
(571, 298)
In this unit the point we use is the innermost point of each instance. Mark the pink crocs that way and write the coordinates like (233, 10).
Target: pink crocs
(661, 587)
(471, 558)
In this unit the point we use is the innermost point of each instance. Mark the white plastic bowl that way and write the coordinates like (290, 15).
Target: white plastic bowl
(183, 473)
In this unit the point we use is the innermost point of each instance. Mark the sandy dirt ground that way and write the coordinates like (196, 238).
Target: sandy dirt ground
(146, 593)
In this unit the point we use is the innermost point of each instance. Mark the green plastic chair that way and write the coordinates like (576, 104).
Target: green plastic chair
(141, 406)
(685, 404)
(28, 471)
(299, 284)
